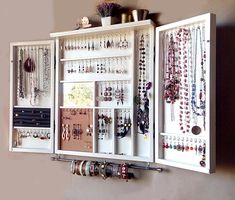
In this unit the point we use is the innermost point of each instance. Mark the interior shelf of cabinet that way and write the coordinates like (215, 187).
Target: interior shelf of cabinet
(104, 77)
(113, 107)
(76, 107)
(36, 128)
(183, 135)
(30, 106)
(99, 55)
(31, 150)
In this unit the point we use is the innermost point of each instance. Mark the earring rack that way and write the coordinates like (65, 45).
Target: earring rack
(109, 72)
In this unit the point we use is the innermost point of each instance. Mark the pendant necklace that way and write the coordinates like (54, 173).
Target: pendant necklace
(198, 108)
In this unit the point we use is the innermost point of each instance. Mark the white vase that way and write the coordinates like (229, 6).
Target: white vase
(106, 21)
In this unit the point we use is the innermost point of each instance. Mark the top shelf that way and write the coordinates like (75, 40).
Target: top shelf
(126, 26)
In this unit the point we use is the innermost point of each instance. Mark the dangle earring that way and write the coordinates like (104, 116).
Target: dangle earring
(122, 94)
(74, 131)
(124, 42)
(117, 95)
(203, 152)
(67, 132)
(63, 132)
(127, 125)
(79, 131)
(89, 130)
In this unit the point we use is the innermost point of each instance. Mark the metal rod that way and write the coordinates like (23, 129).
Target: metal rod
(133, 166)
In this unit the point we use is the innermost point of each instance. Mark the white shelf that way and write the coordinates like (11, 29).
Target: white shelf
(96, 77)
(37, 128)
(31, 150)
(126, 26)
(183, 135)
(100, 54)
(113, 107)
(76, 107)
(23, 106)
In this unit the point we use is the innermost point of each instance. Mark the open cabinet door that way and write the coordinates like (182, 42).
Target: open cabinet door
(32, 97)
(185, 94)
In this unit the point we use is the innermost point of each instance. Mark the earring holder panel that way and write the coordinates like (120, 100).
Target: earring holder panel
(76, 131)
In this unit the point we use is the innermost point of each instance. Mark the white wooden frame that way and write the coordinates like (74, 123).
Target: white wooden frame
(210, 35)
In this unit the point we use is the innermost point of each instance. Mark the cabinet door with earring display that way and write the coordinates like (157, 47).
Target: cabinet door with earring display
(185, 97)
(109, 73)
(31, 96)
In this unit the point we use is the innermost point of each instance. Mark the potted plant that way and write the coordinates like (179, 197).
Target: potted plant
(107, 11)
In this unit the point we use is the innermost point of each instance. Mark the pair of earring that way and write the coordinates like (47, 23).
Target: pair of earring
(77, 131)
(65, 132)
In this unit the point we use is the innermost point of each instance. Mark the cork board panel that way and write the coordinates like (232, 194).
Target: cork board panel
(76, 130)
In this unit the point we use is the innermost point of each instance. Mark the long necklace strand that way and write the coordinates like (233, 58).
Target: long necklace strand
(171, 80)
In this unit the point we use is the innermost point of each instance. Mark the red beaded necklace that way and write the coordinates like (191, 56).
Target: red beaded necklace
(184, 44)
(171, 79)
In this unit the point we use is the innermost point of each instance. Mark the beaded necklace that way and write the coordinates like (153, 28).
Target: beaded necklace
(20, 74)
(171, 80)
(198, 108)
(142, 99)
(184, 45)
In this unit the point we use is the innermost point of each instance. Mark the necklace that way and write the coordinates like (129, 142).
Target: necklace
(198, 108)
(184, 45)
(171, 79)
(20, 74)
(142, 99)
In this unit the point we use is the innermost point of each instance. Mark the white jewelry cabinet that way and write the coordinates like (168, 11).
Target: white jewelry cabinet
(106, 92)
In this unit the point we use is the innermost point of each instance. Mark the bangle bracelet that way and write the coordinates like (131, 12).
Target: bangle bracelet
(84, 168)
(77, 167)
(72, 167)
(87, 168)
(80, 167)
(92, 168)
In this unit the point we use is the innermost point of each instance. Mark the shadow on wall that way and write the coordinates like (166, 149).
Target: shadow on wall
(225, 97)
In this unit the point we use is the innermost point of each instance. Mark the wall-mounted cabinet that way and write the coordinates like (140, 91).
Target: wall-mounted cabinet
(106, 85)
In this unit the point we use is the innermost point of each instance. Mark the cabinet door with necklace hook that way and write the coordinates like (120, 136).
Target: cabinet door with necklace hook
(32, 96)
(185, 91)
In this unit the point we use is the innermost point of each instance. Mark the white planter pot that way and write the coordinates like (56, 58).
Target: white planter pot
(106, 21)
